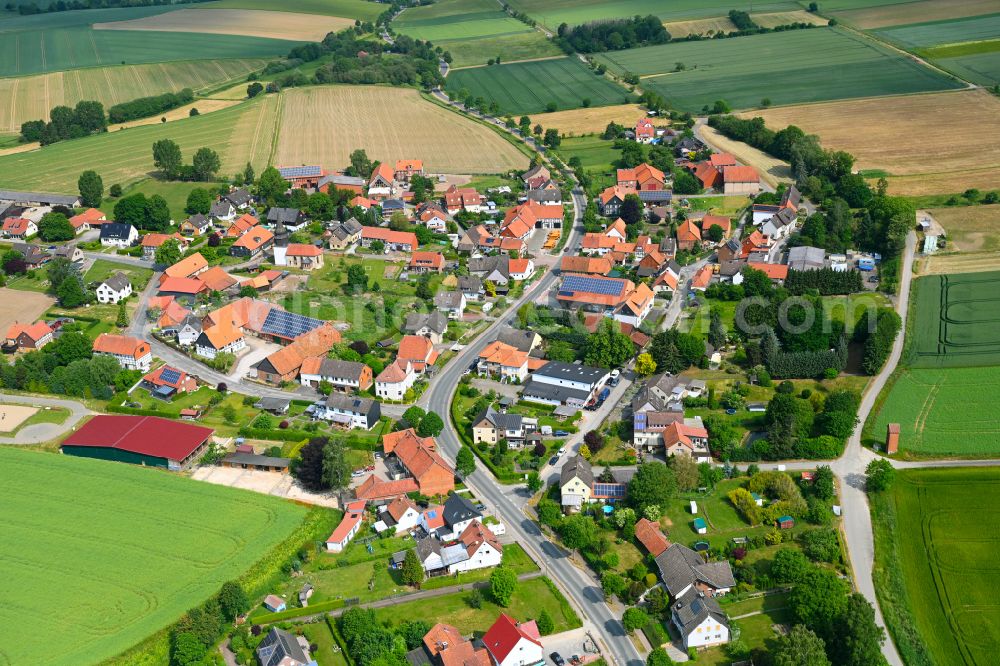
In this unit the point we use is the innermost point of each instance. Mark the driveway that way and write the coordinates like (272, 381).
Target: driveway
(256, 350)
(265, 483)
(43, 432)
(569, 643)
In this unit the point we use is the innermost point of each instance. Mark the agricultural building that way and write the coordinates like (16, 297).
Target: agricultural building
(141, 440)
(892, 438)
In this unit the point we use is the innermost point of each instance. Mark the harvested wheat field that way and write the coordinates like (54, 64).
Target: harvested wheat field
(774, 19)
(966, 262)
(23, 306)
(31, 97)
(929, 144)
(970, 228)
(680, 29)
(204, 106)
(592, 120)
(322, 125)
(772, 170)
(248, 22)
(915, 12)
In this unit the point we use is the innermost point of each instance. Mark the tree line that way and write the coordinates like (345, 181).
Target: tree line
(86, 118)
(149, 106)
(877, 336)
(826, 281)
(612, 35)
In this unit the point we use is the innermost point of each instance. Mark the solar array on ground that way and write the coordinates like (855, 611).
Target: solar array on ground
(574, 283)
(288, 324)
(170, 376)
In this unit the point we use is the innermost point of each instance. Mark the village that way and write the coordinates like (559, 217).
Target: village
(337, 316)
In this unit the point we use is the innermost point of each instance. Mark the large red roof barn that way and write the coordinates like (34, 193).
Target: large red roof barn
(141, 440)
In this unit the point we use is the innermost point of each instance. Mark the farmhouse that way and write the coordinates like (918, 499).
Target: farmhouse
(28, 336)
(688, 235)
(115, 288)
(407, 169)
(457, 199)
(117, 234)
(426, 262)
(349, 525)
(611, 199)
(382, 182)
(645, 131)
(241, 225)
(642, 177)
(252, 243)
(586, 265)
(740, 180)
(142, 440)
(412, 464)
(302, 177)
(341, 182)
(131, 353)
(92, 217)
(187, 267)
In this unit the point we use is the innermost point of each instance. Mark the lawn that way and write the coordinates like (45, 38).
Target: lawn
(529, 87)
(724, 522)
(784, 67)
(935, 575)
(175, 194)
(573, 12)
(596, 155)
(132, 573)
(530, 598)
(729, 206)
(65, 40)
(239, 134)
(102, 269)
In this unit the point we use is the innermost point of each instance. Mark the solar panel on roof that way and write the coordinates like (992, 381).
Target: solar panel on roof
(572, 283)
(300, 171)
(288, 324)
(170, 376)
(609, 490)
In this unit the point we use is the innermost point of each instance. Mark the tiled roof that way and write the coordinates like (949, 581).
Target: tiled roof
(121, 345)
(187, 267)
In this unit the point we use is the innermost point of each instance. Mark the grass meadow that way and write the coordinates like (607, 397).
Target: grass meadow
(32, 97)
(936, 534)
(553, 12)
(175, 194)
(529, 87)
(163, 545)
(784, 67)
(239, 134)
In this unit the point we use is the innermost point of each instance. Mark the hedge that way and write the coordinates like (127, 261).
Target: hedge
(314, 609)
(276, 435)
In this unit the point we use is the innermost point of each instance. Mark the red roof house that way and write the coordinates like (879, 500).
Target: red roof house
(513, 643)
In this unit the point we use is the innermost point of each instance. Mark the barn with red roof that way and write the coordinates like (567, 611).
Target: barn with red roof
(150, 441)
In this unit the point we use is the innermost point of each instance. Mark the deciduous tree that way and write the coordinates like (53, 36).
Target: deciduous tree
(91, 188)
(503, 583)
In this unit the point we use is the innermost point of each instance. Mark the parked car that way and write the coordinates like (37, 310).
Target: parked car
(557, 659)
(553, 460)
(562, 450)
(561, 433)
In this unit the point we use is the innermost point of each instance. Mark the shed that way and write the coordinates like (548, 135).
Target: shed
(274, 603)
(757, 499)
(694, 507)
(786, 522)
(276, 406)
(700, 526)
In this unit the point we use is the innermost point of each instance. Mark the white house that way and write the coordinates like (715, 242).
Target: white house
(700, 620)
(558, 383)
(348, 527)
(400, 515)
(349, 411)
(115, 288)
(513, 643)
(395, 380)
(481, 548)
(218, 340)
(343, 375)
(780, 225)
(521, 269)
(131, 353)
(451, 303)
(189, 331)
(117, 234)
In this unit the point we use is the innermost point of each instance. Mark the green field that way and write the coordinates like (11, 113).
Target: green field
(936, 535)
(175, 194)
(474, 31)
(239, 134)
(65, 40)
(596, 154)
(942, 412)
(356, 9)
(553, 12)
(956, 321)
(785, 67)
(528, 87)
(981, 68)
(141, 547)
(935, 33)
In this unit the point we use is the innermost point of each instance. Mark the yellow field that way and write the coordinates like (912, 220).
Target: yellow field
(589, 121)
(250, 22)
(972, 262)
(322, 125)
(774, 19)
(31, 97)
(971, 228)
(679, 29)
(930, 144)
(771, 169)
(916, 12)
